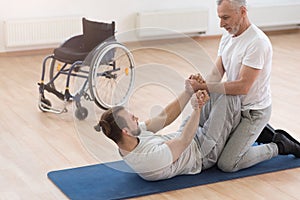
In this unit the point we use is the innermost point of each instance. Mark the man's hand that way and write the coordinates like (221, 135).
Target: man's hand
(199, 99)
(197, 82)
(198, 78)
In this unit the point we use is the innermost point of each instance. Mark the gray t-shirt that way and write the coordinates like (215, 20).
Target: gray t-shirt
(152, 158)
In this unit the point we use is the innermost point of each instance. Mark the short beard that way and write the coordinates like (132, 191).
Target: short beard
(136, 132)
(235, 30)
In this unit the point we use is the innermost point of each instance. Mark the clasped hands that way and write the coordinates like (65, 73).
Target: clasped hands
(199, 97)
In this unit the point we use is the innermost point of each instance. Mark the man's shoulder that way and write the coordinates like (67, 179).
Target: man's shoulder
(259, 33)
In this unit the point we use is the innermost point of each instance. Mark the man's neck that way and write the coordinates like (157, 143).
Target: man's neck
(128, 145)
(243, 27)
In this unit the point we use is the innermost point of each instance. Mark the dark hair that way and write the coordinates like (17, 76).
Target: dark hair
(112, 124)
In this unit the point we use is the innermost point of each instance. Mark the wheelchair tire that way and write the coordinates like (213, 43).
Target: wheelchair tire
(81, 113)
(111, 75)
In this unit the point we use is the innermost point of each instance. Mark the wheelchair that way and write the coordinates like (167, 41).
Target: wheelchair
(105, 66)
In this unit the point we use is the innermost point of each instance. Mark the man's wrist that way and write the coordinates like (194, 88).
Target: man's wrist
(189, 92)
(203, 86)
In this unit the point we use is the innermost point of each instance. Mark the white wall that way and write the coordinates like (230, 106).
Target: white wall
(121, 11)
(272, 2)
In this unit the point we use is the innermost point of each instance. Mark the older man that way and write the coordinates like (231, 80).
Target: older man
(245, 55)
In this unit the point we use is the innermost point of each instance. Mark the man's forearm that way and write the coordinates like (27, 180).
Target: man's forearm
(169, 114)
(174, 109)
(179, 144)
(230, 88)
(190, 128)
(240, 86)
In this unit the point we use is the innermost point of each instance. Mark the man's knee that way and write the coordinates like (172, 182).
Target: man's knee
(226, 165)
(231, 102)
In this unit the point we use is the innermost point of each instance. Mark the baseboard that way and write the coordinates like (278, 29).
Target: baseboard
(27, 52)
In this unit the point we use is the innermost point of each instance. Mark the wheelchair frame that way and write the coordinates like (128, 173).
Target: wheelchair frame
(98, 55)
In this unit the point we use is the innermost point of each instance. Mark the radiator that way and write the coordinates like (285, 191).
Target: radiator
(32, 32)
(275, 16)
(159, 23)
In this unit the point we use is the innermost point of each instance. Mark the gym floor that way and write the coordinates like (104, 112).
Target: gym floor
(33, 143)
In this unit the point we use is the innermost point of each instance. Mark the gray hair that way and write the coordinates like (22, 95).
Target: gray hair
(235, 3)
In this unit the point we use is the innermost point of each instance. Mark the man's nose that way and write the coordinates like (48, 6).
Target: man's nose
(222, 24)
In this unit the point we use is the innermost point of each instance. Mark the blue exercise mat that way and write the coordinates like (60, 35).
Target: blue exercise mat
(103, 181)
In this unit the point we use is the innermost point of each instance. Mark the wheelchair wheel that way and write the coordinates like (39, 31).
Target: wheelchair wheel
(111, 75)
(81, 113)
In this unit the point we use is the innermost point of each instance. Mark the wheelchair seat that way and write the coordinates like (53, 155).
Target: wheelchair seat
(78, 47)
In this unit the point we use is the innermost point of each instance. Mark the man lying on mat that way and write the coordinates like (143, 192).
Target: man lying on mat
(194, 147)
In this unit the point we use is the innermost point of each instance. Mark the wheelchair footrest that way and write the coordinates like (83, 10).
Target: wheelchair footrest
(53, 91)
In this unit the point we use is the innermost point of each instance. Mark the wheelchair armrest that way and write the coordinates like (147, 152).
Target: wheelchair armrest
(75, 42)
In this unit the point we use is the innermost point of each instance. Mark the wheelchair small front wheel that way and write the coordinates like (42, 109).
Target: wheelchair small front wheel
(111, 75)
(81, 113)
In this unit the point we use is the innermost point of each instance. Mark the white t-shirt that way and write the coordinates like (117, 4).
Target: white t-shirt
(152, 159)
(253, 49)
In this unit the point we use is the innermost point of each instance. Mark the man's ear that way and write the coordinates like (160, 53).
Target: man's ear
(125, 131)
(243, 10)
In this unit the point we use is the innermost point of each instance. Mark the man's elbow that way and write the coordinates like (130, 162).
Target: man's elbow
(244, 90)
